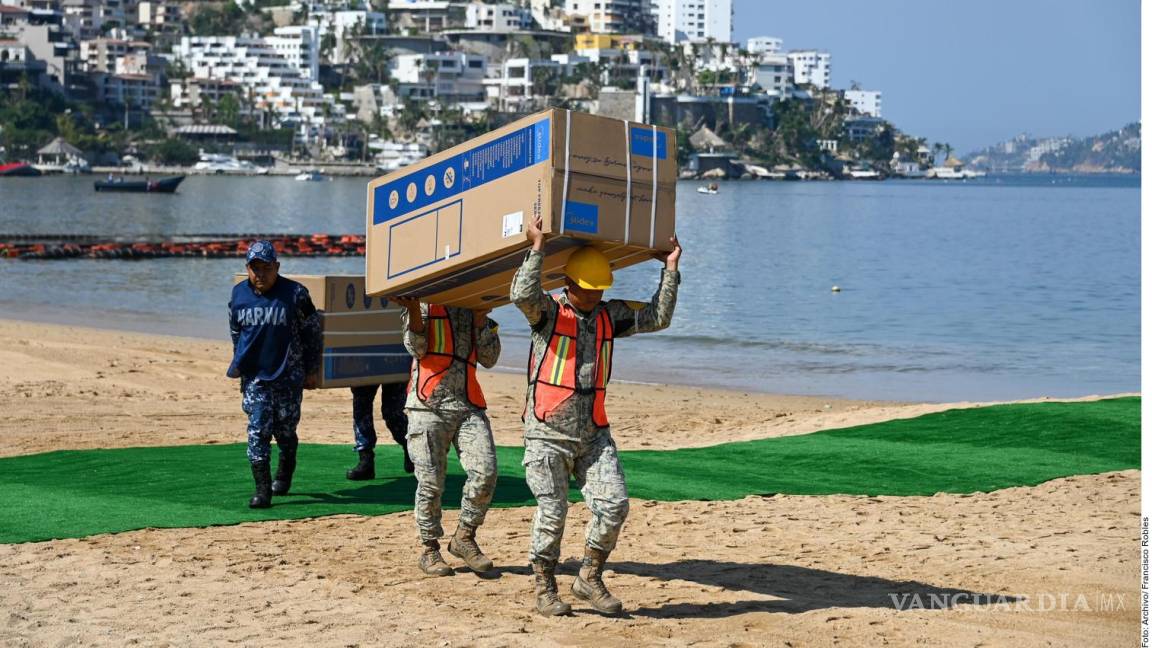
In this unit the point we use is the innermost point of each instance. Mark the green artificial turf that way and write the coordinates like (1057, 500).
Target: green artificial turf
(75, 493)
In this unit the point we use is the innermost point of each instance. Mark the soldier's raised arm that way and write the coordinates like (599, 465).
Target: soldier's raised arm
(412, 320)
(629, 318)
(527, 291)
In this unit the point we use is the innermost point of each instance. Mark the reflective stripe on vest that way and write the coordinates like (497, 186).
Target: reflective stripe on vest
(555, 378)
(440, 355)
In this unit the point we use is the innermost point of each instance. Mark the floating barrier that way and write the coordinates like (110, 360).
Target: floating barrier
(37, 247)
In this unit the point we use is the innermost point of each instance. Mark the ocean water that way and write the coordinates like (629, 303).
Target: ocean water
(1003, 288)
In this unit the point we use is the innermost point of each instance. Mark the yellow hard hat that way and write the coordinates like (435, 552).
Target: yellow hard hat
(589, 268)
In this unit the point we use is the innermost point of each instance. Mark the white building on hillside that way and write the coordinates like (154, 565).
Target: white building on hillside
(268, 80)
(624, 64)
(101, 54)
(717, 56)
(551, 18)
(505, 17)
(773, 73)
(424, 16)
(811, 66)
(300, 46)
(342, 24)
(613, 16)
(519, 84)
(89, 18)
(765, 45)
(158, 14)
(866, 102)
(448, 76)
(1045, 146)
(681, 20)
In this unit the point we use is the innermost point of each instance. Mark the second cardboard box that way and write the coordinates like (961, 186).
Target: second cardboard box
(450, 229)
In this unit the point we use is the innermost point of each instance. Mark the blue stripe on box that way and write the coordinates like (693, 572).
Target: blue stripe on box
(581, 217)
(503, 156)
(361, 361)
(641, 137)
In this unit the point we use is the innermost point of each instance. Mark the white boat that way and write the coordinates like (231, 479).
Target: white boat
(863, 174)
(944, 173)
(711, 189)
(762, 172)
(953, 169)
(394, 156)
(312, 175)
(226, 164)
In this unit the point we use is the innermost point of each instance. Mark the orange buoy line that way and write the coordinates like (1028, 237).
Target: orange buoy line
(30, 247)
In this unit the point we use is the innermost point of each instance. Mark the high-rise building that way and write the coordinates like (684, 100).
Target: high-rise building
(614, 16)
(765, 45)
(693, 20)
(503, 17)
(773, 73)
(811, 67)
(262, 69)
(866, 102)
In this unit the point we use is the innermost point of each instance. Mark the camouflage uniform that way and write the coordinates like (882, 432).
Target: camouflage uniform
(448, 419)
(391, 410)
(273, 411)
(273, 407)
(570, 444)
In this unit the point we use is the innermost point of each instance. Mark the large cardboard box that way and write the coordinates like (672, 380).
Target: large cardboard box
(449, 229)
(363, 341)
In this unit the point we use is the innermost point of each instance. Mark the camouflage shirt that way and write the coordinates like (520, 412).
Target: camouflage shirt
(452, 392)
(574, 421)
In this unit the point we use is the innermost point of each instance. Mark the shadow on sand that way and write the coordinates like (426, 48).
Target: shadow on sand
(797, 589)
(510, 491)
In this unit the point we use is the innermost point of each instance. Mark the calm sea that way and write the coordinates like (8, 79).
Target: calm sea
(1002, 288)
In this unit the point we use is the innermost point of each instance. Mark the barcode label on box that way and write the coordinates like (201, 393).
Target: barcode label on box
(513, 224)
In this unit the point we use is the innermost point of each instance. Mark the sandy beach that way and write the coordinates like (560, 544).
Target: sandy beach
(1051, 565)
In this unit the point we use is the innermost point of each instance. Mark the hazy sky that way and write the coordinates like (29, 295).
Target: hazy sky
(973, 72)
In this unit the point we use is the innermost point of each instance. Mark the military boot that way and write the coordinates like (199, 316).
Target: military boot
(284, 469)
(262, 474)
(431, 562)
(366, 469)
(548, 601)
(463, 546)
(589, 583)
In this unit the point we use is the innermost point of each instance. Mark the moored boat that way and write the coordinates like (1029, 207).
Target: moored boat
(13, 169)
(312, 175)
(220, 164)
(163, 185)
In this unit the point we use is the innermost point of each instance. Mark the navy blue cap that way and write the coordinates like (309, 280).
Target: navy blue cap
(262, 250)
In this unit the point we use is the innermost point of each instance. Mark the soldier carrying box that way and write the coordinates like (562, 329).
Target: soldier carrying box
(566, 431)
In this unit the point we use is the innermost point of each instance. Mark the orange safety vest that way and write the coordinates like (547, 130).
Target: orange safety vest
(440, 355)
(555, 378)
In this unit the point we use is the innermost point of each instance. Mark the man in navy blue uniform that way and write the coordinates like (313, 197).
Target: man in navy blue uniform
(392, 397)
(276, 354)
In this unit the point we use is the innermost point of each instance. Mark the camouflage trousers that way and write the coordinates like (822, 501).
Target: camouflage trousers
(430, 435)
(273, 411)
(548, 464)
(391, 410)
